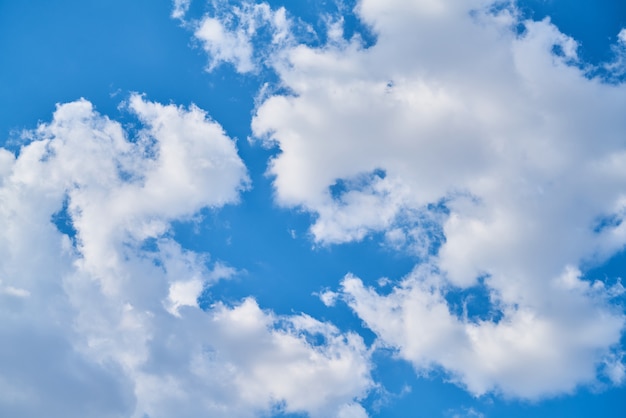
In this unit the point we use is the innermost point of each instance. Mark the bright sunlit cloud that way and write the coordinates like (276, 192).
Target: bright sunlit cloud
(123, 315)
(457, 121)
(375, 208)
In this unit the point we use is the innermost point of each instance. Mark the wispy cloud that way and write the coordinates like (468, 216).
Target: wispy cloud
(230, 35)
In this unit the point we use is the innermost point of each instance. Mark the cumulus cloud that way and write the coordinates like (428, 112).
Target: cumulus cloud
(540, 348)
(479, 141)
(99, 303)
(229, 35)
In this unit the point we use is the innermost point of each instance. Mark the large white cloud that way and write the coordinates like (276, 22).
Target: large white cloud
(102, 320)
(477, 140)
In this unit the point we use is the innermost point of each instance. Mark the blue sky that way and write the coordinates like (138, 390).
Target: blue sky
(329, 209)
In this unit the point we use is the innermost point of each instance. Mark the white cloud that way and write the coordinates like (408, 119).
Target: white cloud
(618, 66)
(228, 36)
(180, 8)
(465, 413)
(13, 291)
(615, 368)
(222, 271)
(328, 297)
(540, 348)
(508, 131)
(241, 361)
(183, 293)
(222, 45)
(352, 411)
(105, 323)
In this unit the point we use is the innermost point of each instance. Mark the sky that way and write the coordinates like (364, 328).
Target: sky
(298, 208)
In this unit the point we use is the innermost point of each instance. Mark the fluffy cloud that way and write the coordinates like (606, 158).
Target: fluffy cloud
(478, 140)
(539, 348)
(99, 304)
(228, 36)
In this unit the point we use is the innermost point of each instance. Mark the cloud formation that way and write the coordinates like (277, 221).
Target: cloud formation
(99, 303)
(228, 37)
(465, 135)
(476, 139)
